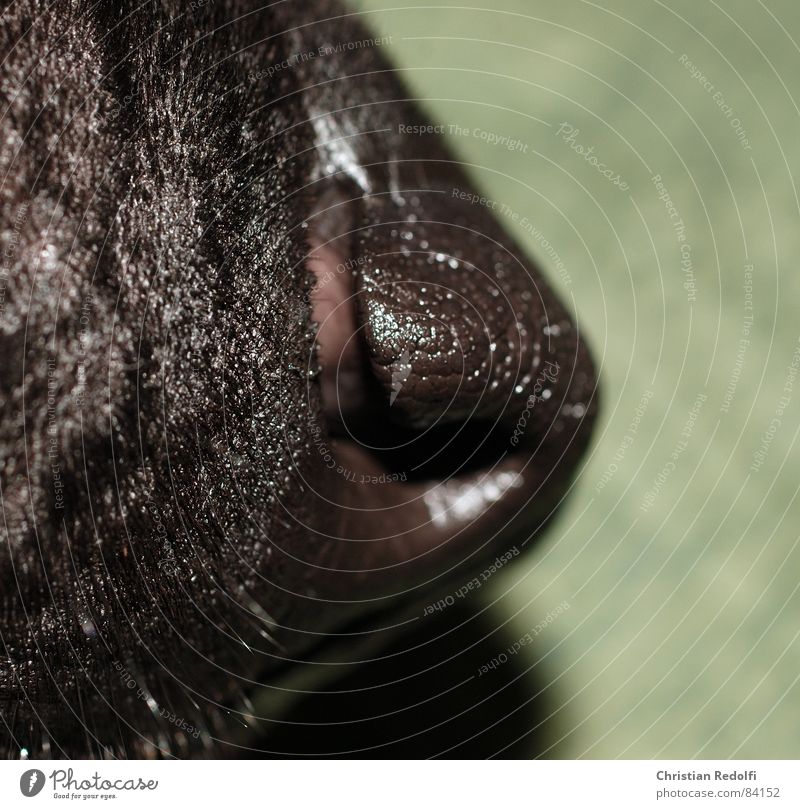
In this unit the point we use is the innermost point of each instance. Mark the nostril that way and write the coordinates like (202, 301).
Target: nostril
(444, 451)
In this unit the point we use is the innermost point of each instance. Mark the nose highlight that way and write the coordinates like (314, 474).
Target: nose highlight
(466, 312)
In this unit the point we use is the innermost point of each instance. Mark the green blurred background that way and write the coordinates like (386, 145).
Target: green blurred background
(681, 637)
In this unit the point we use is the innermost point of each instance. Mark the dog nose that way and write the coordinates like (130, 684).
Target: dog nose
(459, 392)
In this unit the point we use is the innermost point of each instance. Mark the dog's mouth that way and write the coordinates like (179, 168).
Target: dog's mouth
(452, 394)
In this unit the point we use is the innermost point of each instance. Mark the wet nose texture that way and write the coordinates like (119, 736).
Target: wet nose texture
(476, 391)
(456, 326)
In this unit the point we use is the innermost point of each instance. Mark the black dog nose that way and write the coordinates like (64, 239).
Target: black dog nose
(457, 388)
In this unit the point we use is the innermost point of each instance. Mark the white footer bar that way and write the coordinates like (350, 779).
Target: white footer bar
(403, 784)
